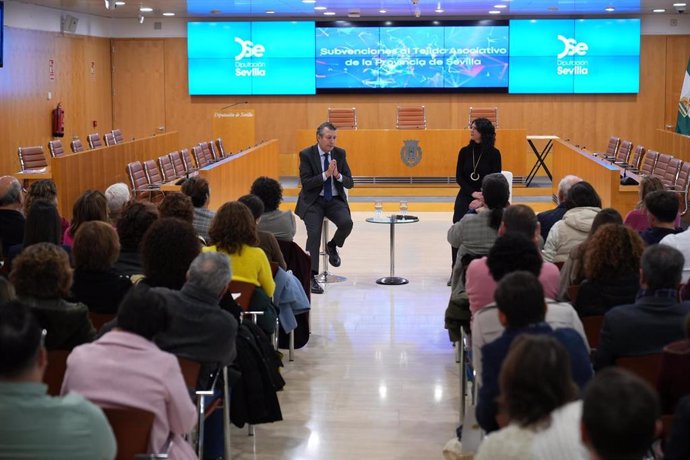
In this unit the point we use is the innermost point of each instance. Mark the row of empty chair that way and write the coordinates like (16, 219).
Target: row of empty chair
(673, 172)
(408, 117)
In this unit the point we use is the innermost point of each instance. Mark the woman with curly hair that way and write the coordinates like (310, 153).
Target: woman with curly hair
(637, 219)
(91, 205)
(612, 270)
(273, 220)
(136, 218)
(47, 190)
(233, 232)
(42, 278)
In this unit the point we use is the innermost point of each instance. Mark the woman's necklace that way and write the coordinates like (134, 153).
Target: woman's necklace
(474, 176)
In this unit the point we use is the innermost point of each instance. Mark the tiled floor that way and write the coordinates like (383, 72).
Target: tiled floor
(377, 379)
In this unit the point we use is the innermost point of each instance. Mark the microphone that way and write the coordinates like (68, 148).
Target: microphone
(233, 105)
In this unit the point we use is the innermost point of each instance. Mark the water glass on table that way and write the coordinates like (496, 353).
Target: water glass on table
(403, 207)
(378, 210)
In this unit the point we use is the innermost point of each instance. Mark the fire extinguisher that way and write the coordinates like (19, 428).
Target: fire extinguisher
(58, 121)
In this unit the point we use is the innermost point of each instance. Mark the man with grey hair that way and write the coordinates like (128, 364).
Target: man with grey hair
(116, 195)
(548, 218)
(199, 329)
(655, 319)
(11, 217)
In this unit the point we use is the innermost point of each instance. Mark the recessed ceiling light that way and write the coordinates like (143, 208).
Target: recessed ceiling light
(436, 23)
(439, 10)
(383, 11)
(145, 9)
(495, 12)
(120, 3)
(169, 13)
(659, 10)
(320, 8)
(388, 23)
(610, 9)
(680, 4)
(500, 6)
(270, 12)
(308, 1)
(329, 13)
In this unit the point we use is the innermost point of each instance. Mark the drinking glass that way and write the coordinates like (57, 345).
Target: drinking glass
(378, 209)
(403, 207)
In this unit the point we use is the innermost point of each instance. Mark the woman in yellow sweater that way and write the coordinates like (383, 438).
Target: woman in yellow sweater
(233, 232)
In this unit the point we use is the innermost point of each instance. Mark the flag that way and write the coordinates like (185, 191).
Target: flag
(683, 123)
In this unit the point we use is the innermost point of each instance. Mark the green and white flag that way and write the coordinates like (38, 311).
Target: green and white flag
(683, 123)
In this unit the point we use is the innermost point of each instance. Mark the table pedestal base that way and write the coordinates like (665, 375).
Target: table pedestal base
(392, 280)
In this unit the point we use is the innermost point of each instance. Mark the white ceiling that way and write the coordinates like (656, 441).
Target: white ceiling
(368, 9)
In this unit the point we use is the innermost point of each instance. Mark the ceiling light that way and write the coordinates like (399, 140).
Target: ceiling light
(680, 4)
(500, 6)
(329, 13)
(169, 14)
(383, 11)
(610, 9)
(320, 8)
(495, 12)
(438, 8)
(659, 10)
(145, 9)
(308, 1)
(388, 23)
(120, 3)
(141, 19)
(270, 12)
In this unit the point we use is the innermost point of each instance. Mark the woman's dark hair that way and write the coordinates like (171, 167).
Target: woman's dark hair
(582, 194)
(91, 205)
(254, 203)
(603, 217)
(613, 251)
(496, 192)
(96, 246)
(42, 270)
(535, 379)
(197, 189)
(20, 339)
(168, 248)
(136, 218)
(40, 189)
(143, 312)
(42, 224)
(176, 204)
(232, 227)
(488, 132)
(269, 191)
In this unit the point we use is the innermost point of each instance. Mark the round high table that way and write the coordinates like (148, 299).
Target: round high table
(392, 221)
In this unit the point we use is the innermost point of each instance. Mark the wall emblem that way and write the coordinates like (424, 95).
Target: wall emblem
(411, 153)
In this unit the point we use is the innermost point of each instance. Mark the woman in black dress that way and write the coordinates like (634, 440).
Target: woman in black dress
(477, 159)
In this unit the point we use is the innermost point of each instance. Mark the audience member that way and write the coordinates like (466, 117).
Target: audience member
(267, 241)
(42, 278)
(233, 232)
(42, 225)
(474, 234)
(44, 189)
(548, 218)
(612, 270)
(125, 368)
(573, 270)
(521, 309)
(680, 241)
(96, 248)
(537, 394)
(280, 223)
(678, 445)
(35, 425)
(583, 204)
(637, 219)
(178, 205)
(619, 416)
(517, 219)
(117, 195)
(168, 247)
(674, 376)
(662, 209)
(11, 217)
(198, 190)
(136, 218)
(656, 317)
(91, 205)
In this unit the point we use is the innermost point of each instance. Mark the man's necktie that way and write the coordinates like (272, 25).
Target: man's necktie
(327, 190)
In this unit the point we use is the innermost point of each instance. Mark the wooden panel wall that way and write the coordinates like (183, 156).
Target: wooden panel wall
(678, 53)
(25, 118)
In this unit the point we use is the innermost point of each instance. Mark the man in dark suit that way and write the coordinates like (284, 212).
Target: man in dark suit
(324, 175)
(655, 319)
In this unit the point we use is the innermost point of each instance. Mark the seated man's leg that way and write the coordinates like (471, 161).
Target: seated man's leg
(338, 212)
(313, 220)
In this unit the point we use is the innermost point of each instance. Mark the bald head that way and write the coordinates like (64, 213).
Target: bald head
(564, 186)
(10, 193)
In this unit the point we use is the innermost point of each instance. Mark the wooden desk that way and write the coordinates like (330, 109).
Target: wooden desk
(232, 177)
(672, 143)
(377, 152)
(99, 168)
(604, 177)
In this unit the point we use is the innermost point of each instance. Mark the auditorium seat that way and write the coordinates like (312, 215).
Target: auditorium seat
(139, 180)
(178, 164)
(592, 326)
(206, 152)
(94, 141)
(490, 113)
(119, 138)
(411, 117)
(55, 148)
(649, 162)
(661, 165)
(200, 156)
(636, 159)
(32, 158)
(214, 152)
(132, 429)
(76, 145)
(188, 161)
(343, 118)
(670, 174)
(55, 371)
(612, 147)
(623, 153)
(109, 139)
(681, 185)
(221, 148)
(645, 366)
(153, 174)
(167, 168)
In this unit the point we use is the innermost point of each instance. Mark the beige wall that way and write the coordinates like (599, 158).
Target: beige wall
(150, 87)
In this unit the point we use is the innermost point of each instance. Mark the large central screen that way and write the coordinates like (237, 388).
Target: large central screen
(412, 57)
